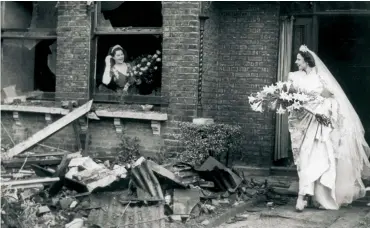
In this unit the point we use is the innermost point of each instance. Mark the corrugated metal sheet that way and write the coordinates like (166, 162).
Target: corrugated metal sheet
(113, 213)
(186, 172)
(144, 178)
(223, 177)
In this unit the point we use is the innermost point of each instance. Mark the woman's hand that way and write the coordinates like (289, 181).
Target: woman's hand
(322, 119)
(108, 60)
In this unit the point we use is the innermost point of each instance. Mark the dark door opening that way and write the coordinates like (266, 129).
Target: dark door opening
(344, 46)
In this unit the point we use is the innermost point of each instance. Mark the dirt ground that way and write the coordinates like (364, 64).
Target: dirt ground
(285, 216)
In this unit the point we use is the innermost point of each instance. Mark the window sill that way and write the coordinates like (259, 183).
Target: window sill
(124, 114)
(105, 112)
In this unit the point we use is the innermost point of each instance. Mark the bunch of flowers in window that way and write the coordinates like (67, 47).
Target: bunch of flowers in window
(145, 68)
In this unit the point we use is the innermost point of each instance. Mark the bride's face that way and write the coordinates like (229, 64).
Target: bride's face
(301, 64)
(119, 57)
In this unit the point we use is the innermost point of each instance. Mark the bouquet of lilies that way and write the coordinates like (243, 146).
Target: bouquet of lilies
(145, 67)
(283, 97)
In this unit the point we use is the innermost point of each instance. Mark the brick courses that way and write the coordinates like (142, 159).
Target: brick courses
(73, 50)
(180, 66)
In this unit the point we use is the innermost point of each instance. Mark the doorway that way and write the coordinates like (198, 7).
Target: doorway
(344, 47)
(343, 44)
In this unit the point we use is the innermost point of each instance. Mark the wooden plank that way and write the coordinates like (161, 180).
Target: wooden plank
(29, 35)
(35, 109)
(128, 31)
(16, 163)
(26, 186)
(336, 13)
(131, 99)
(33, 181)
(49, 130)
(41, 154)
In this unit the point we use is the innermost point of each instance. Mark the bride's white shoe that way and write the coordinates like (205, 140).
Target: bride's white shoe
(301, 204)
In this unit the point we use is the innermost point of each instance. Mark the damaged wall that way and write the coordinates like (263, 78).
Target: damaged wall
(105, 141)
(29, 124)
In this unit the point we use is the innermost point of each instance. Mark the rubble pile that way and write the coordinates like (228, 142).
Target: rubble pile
(83, 192)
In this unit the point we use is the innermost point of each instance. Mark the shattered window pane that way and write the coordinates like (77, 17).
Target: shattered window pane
(17, 65)
(33, 15)
(130, 14)
(28, 64)
(17, 15)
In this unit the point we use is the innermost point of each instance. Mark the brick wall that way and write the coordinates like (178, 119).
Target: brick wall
(248, 48)
(73, 58)
(29, 124)
(180, 65)
(105, 141)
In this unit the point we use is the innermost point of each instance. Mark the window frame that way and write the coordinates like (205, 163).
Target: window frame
(97, 32)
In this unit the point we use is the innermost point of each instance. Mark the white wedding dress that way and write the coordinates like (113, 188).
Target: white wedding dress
(330, 164)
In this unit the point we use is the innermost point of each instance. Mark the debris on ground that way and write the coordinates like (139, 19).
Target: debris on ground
(82, 192)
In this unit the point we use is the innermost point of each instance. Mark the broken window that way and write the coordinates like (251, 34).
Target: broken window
(130, 14)
(29, 46)
(137, 28)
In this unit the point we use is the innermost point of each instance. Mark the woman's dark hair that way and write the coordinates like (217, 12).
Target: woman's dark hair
(112, 52)
(308, 58)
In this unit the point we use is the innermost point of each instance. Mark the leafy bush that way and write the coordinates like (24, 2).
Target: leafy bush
(201, 141)
(129, 149)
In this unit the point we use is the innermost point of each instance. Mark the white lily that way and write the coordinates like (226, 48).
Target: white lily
(296, 105)
(285, 96)
(251, 99)
(269, 89)
(280, 84)
(280, 110)
(257, 106)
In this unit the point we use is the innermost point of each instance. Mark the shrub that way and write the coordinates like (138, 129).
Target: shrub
(201, 141)
(129, 149)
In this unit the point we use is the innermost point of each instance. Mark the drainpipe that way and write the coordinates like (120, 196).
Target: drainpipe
(202, 19)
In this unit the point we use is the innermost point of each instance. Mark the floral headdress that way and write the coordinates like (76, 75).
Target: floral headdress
(303, 48)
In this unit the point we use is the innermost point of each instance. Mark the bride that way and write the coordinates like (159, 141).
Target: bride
(331, 159)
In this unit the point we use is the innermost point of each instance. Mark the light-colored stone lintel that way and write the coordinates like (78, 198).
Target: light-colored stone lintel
(124, 114)
(133, 115)
(35, 109)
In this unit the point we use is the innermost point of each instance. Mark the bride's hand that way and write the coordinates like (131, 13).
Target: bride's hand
(322, 119)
